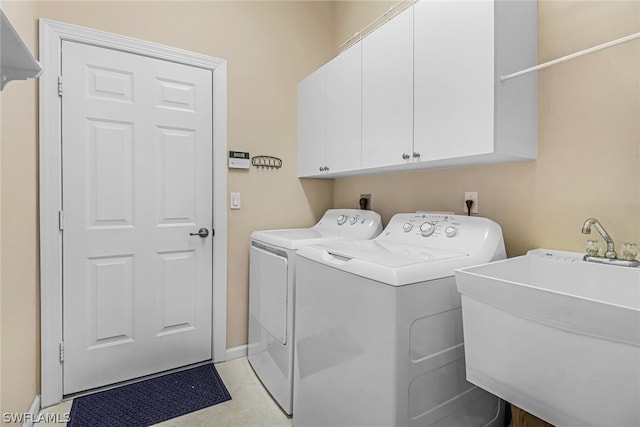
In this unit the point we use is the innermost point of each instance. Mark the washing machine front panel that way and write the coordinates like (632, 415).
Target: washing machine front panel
(343, 340)
(368, 354)
(379, 337)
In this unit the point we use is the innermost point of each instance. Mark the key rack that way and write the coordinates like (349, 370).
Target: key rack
(268, 162)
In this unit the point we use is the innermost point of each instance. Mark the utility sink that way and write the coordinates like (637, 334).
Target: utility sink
(556, 336)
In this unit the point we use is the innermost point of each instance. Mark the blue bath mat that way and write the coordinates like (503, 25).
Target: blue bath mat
(150, 401)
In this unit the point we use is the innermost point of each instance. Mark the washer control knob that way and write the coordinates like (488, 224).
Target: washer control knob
(407, 227)
(427, 229)
(353, 220)
(342, 219)
(450, 231)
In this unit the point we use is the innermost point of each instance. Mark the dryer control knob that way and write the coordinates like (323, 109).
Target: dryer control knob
(450, 231)
(353, 220)
(407, 227)
(427, 229)
(342, 219)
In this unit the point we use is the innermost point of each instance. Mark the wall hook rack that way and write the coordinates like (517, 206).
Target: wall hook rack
(269, 162)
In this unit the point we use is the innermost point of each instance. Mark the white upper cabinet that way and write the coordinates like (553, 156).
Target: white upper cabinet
(344, 111)
(463, 113)
(312, 124)
(330, 115)
(454, 78)
(427, 93)
(387, 93)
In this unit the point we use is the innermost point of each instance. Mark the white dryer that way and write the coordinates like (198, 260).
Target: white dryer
(272, 290)
(379, 327)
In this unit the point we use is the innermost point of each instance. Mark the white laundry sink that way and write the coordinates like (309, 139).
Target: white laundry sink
(556, 336)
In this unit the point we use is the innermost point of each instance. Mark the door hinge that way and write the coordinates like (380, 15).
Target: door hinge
(61, 220)
(61, 347)
(59, 85)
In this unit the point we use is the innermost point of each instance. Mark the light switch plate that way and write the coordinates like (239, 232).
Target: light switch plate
(235, 200)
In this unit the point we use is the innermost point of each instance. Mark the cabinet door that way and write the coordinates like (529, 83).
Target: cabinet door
(387, 93)
(344, 111)
(311, 124)
(454, 78)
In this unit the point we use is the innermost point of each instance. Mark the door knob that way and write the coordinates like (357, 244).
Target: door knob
(203, 232)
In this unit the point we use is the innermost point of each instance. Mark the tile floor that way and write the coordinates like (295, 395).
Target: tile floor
(250, 404)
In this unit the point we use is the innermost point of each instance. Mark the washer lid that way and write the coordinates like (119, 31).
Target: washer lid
(389, 263)
(389, 254)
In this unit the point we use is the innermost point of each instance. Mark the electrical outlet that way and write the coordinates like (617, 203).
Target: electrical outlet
(368, 197)
(471, 195)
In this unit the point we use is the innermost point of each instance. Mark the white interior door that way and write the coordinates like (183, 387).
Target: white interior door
(137, 180)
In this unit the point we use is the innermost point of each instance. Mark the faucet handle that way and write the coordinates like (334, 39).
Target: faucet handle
(592, 247)
(629, 251)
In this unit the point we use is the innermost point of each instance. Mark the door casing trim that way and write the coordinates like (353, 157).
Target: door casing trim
(50, 155)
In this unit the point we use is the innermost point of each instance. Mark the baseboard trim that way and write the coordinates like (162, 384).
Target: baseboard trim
(237, 352)
(34, 410)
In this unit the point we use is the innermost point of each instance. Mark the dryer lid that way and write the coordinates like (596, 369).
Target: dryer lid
(293, 238)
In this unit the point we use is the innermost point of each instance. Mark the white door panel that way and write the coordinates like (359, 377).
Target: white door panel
(387, 93)
(137, 179)
(344, 111)
(449, 36)
(312, 124)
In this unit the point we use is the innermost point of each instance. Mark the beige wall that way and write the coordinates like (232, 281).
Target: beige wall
(269, 46)
(352, 17)
(588, 163)
(589, 137)
(19, 231)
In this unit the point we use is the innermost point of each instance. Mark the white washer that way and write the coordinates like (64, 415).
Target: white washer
(379, 327)
(272, 286)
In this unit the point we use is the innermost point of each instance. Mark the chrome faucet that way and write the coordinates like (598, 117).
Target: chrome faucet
(586, 229)
(610, 256)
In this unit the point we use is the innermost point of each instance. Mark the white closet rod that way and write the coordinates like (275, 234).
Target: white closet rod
(573, 55)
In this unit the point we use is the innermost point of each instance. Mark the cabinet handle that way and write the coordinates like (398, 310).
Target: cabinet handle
(416, 155)
(405, 156)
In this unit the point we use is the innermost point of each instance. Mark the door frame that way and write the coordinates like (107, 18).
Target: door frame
(50, 146)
